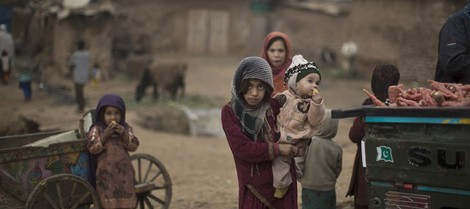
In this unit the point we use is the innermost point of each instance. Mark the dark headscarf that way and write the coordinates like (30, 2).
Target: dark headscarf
(252, 119)
(110, 100)
(384, 76)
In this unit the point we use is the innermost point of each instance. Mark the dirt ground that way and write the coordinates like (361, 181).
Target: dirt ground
(201, 168)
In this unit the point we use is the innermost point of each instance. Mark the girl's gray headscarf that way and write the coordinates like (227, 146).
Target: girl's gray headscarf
(251, 118)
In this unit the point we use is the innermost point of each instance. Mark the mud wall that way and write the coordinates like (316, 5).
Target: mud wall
(167, 21)
(401, 32)
(94, 30)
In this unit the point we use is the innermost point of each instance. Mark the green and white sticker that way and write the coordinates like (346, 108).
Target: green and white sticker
(384, 153)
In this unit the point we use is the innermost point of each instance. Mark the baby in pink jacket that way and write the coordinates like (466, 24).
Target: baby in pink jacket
(301, 113)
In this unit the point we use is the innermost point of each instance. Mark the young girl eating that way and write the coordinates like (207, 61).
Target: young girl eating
(111, 139)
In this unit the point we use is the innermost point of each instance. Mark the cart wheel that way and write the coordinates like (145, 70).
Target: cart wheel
(65, 191)
(153, 183)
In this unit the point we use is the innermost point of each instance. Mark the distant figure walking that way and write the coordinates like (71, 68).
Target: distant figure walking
(6, 41)
(349, 50)
(79, 63)
(5, 66)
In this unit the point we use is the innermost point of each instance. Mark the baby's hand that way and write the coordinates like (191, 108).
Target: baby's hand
(316, 97)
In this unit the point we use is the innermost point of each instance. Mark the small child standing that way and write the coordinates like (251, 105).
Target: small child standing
(95, 76)
(111, 139)
(26, 68)
(25, 78)
(301, 112)
(321, 166)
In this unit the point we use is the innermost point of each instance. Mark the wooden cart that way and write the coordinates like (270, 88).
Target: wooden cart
(52, 170)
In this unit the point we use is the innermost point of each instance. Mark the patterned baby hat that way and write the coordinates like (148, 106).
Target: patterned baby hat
(301, 67)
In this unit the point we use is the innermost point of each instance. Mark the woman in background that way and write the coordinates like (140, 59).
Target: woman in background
(277, 50)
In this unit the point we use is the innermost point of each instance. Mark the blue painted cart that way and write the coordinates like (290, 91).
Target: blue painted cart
(415, 157)
(52, 170)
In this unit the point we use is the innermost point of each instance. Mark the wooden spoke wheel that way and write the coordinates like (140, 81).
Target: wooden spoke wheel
(153, 183)
(63, 191)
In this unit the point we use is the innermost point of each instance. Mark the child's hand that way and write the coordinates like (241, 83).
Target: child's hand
(108, 131)
(119, 129)
(316, 97)
(112, 128)
(302, 145)
(287, 150)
